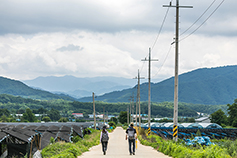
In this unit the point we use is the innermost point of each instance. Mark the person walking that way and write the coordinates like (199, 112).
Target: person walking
(131, 135)
(104, 138)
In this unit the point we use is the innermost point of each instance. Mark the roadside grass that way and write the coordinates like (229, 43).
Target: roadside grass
(223, 149)
(72, 150)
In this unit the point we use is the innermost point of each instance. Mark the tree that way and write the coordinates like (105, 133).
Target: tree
(29, 116)
(114, 119)
(46, 119)
(112, 124)
(219, 117)
(63, 119)
(232, 111)
(54, 114)
(4, 118)
(191, 120)
(4, 112)
(123, 117)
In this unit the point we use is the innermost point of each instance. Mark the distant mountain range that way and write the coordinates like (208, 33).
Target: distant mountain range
(209, 86)
(80, 87)
(17, 88)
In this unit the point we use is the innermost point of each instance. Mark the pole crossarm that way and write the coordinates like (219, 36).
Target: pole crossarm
(177, 6)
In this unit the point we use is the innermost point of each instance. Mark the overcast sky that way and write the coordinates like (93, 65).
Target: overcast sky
(88, 38)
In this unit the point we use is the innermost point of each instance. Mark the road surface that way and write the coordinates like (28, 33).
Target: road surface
(118, 148)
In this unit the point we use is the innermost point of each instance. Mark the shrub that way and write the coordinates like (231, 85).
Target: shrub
(64, 155)
(180, 150)
(71, 150)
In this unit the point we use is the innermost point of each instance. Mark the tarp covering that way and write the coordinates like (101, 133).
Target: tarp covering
(16, 149)
(17, 135)
(64, 136)
(78, 130)
(2, 136)
(53, 128)
(45, 139)
(41, 128)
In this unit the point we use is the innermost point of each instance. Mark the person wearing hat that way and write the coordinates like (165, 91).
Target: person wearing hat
(104, 138)
(131, 135)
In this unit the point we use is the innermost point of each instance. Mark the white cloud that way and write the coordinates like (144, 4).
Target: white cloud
(109, 38)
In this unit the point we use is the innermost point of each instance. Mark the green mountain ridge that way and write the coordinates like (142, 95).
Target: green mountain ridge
(209, 86)
(17, 88)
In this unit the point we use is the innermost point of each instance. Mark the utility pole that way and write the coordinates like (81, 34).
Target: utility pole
(130, 112)
(127, 114)
(104, 114)
(107, 117)
(175, 126)
(149, 86)
(93, 95)
(132, 108)
(138, 97)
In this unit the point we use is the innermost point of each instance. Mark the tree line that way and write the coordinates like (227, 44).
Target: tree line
(222, 119)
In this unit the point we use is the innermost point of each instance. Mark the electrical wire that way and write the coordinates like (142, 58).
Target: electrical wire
(164, 61)
(198, 18)
(163, 22)
(157, 37)
(203, 22)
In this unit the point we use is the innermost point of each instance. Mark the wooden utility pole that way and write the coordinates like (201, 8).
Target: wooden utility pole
(104, 114)
(149, 86)
(93, 96)
(107, 116)
(138, 97)
(175, 126)
(127, 115)
(132, 108)
(130, 112)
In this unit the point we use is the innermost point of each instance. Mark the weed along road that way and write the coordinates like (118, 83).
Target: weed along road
(118, 147)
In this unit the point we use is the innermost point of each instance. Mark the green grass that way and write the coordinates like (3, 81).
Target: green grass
(71, 150)
(180, 150)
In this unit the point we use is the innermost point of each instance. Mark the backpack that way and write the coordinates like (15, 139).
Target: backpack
(104, 137)
(131, 133)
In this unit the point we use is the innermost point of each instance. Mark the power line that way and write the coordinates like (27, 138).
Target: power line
(157, 37)
(203, 22)
(164, 60)
(163, 22)
(198, 18)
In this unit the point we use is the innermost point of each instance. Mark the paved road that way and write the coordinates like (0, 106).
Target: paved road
(118, 147)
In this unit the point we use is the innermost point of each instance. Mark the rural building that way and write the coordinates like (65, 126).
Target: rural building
(203, 120)
(76, 115)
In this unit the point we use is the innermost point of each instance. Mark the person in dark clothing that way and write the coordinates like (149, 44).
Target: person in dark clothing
(131, 135)
(104, 138)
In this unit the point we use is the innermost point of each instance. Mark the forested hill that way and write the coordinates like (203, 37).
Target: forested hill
(17, 88)
(209, 86)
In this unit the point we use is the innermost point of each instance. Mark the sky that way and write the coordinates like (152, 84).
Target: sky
(89, 38)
